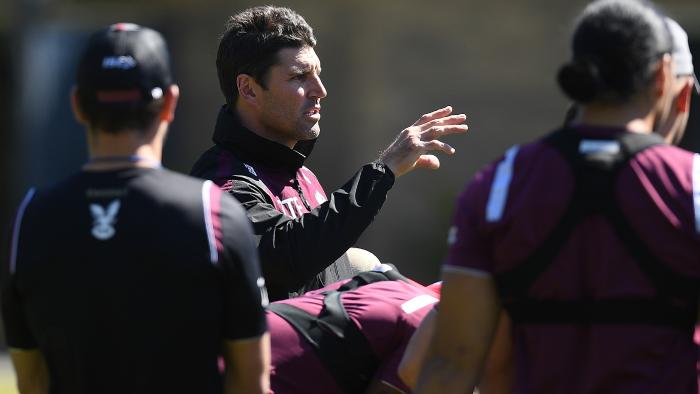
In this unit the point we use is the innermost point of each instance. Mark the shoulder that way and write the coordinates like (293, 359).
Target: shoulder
(222, 166)
(667, 173)
(54, 195)
(218, 163)
(668, 161)
(513, 169)
(168, 185)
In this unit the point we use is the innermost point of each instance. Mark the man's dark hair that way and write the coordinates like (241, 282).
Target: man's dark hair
(113, 118)
(616, 47)
(251, 41)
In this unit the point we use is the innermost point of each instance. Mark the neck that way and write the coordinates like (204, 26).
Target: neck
(632, 117)
(250, 121)
(122, 150)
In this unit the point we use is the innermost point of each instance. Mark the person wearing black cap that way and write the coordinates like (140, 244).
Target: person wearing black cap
(270, 76)
(152, 275)
(588, 237)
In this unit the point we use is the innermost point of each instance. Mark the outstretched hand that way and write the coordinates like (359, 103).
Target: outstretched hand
(411, 147)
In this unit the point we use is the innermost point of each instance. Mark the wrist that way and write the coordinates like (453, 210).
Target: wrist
(382, 166)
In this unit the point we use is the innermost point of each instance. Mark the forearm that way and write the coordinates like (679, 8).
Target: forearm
(38, 384)
(443, 376)
(234, 384)
(469, 311)
(247, 366)
(497, 377)
(298, 249)
(31, 371)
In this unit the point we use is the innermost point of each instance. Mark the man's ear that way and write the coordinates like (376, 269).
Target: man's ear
(167, 113)
(663, 72)
(683, 99)
(247, 88)
(75, 106)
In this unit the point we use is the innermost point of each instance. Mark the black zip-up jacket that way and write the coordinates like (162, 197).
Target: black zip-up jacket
(300, 230)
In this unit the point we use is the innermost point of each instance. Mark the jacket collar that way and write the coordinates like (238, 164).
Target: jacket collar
(230, 134)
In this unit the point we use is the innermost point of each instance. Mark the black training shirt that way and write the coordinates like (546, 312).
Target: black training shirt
(127, 281)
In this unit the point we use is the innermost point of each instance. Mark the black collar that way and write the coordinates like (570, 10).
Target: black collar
(230, 134)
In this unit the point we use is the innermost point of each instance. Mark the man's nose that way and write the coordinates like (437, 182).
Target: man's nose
(317, 90)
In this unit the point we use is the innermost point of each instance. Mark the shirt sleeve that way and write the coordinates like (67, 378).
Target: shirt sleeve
(244, 288)
(18, 335)
(17, 332)
(467, 238)
(294, 250)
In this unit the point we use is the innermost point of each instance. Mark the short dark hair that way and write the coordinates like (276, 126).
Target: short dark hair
(616, 46)
(116, 117)
(250, 43)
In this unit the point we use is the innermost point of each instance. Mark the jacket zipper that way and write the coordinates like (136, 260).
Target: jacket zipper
(301, 193)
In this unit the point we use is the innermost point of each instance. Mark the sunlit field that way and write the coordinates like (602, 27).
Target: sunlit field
(7, 378)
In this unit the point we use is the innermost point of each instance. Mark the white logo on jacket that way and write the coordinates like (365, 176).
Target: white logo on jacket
(250, 169)
(103, 224)
(292, 206)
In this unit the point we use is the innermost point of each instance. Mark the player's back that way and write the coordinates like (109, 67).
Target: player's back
(590, 269)
(115, 273)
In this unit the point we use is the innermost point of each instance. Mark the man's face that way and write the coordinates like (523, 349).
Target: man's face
(290, 106)
(672, 126)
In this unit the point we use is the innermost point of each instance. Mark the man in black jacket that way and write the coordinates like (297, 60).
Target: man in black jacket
(269, 74)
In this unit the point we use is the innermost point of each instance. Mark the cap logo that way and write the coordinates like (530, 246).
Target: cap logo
(118, 62)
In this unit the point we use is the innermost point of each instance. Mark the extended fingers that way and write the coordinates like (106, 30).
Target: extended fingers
(428, 161)
(438, 113)
(437, 145)
(439, 131)
(447, 120)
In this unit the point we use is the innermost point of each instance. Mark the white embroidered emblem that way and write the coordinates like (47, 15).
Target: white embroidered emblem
(103, 224)
(250, 169)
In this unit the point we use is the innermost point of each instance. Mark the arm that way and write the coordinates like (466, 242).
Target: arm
(416, 350)
(294, 250)
(469, 310)
(31, 370)
(247, 365)
(30, 366)
(498, 371)
(246, 345)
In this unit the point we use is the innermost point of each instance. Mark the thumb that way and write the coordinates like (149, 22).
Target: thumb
(428, 161)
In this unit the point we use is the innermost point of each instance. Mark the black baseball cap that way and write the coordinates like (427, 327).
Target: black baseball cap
(124, 64)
